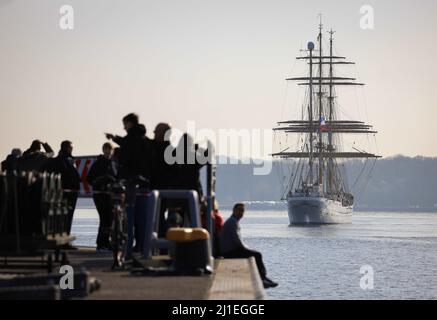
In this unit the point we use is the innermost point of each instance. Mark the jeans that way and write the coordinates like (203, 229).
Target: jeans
(247, 253)
(103, 204)
(136, 210)
(71, 200)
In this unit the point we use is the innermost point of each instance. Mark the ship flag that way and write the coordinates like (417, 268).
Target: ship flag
(323, 125)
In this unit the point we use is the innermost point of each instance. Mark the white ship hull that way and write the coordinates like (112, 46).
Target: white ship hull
(317, 210)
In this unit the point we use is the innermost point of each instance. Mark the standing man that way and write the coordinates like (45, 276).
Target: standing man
(232, 246)
(136, 151)
(135, 160)
(103, 167)
(64, 164)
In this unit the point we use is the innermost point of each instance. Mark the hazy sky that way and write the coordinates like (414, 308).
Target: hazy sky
(219, 63)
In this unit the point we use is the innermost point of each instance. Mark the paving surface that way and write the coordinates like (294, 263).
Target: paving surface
(236, 279)
(232, 279)
(120, 285)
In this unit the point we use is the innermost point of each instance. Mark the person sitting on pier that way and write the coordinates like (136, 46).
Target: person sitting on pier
(232, 246)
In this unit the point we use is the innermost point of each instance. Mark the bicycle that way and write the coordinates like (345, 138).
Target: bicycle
(119, 230)
(118, 234)
(123, 193)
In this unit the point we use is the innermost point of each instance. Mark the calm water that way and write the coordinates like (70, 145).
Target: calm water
(324, 262)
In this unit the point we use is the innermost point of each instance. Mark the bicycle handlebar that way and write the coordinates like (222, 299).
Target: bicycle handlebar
(111, 184)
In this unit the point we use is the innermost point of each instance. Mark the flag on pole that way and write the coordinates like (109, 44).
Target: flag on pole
(323, 125)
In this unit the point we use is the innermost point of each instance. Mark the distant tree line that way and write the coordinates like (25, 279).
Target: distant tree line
(399, 182)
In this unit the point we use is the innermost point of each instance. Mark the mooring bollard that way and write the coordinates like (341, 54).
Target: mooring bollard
(155, 197)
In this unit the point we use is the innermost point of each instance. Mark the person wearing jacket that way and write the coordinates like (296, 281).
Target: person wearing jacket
(188, 172)
(164, 175)
(102, 167)
(135, 161)
(136, 150)
(34, 159)
(10, 163)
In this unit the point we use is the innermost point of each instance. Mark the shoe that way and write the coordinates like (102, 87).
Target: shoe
(103, 250)
(267, 283)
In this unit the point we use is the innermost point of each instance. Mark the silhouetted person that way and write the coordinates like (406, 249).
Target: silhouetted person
(36, 146)
(103, 167)
(34, 159)
(135, 160)
(64, 164)
(188, 175)
(164, 174)
(232, 245)
(136, 150)
(11, 161)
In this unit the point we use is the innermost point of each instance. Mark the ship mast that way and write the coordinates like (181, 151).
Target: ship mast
(310, 113)
(331, 104)
(320, 103)
(333, 125)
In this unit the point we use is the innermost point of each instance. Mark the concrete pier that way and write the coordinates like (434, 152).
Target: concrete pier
(232, 279)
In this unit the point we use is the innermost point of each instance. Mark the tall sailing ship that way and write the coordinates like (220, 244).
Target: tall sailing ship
(318, 192)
